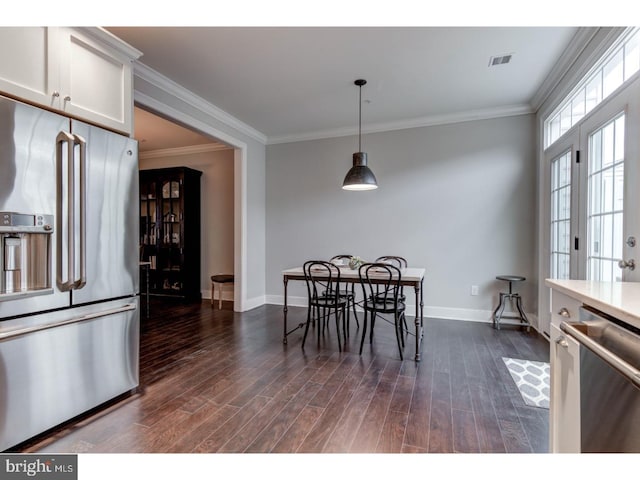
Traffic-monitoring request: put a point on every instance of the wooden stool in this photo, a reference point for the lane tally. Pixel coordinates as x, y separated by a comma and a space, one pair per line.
497, 313
219, 280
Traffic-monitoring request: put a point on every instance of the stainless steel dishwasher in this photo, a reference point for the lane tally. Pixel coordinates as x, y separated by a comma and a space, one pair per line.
609, 382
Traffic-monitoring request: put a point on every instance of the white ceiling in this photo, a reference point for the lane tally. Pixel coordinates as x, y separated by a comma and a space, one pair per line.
156, 133
293, 83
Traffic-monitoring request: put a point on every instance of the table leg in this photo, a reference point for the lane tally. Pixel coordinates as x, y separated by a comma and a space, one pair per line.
418, 320
284, 337
421, 307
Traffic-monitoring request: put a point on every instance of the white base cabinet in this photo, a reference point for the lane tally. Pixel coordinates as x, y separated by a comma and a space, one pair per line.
85, 73
564, 404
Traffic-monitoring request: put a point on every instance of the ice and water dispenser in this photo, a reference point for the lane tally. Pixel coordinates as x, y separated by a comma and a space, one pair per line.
25, 254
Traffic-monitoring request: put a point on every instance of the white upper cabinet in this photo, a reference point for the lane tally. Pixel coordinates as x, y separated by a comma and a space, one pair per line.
25, 69
86, 73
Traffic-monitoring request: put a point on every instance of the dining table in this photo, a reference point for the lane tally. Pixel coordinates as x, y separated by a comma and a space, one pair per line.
410, 277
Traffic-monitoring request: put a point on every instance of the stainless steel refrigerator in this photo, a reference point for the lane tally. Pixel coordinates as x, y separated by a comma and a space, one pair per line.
69, 310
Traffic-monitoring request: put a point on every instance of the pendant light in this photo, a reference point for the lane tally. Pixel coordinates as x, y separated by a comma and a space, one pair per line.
360, 177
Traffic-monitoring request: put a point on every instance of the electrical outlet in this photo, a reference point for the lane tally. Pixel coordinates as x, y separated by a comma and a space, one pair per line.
474, 289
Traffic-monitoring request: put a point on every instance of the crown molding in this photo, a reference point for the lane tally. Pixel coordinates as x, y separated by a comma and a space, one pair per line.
575, 48
102, 35
190, 150
471, 115
151, 76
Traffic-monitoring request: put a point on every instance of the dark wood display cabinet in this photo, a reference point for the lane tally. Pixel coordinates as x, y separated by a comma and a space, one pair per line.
170, 231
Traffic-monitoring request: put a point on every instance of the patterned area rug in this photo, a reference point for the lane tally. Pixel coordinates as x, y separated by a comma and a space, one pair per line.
532, 379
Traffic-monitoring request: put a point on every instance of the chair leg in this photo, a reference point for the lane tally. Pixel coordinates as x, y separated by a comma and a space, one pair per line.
345, 322
364, 331
337, 310
306, 329
398, 325
401, 330
353, 304
213, 291
373, 324
346, 318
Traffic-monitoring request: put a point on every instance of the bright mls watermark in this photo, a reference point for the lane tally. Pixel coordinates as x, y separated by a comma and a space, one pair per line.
53, 467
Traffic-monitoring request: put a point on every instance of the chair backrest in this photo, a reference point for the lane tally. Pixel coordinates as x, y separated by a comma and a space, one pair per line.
322, 278
380, 282
340, 257
399, 262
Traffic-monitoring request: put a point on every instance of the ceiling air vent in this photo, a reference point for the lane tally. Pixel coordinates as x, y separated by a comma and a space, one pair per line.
500, 60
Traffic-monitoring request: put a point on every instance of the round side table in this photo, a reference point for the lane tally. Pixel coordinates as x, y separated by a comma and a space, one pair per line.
498, 312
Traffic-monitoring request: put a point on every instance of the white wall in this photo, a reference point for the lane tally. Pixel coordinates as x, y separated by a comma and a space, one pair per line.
459, 200
216, 202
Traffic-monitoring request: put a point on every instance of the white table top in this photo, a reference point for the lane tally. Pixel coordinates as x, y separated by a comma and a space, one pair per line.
618, 299
408, 274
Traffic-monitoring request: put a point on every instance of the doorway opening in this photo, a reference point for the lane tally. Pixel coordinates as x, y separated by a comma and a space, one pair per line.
166, 143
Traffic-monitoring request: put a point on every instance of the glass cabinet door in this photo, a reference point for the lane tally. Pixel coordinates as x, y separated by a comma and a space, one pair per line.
170, 230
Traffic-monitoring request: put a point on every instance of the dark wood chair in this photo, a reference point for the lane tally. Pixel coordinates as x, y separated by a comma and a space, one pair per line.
381, 299
399, 262
323, 287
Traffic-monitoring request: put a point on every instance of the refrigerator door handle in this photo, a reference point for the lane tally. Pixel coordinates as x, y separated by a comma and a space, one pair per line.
82, 257
65, 283
82, 318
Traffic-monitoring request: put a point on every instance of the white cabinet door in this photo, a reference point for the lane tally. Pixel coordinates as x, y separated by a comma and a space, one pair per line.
95, 81
70, 70
563, 308
26, 71
564, 405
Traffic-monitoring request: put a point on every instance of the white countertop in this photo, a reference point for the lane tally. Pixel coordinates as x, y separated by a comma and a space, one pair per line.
619, 299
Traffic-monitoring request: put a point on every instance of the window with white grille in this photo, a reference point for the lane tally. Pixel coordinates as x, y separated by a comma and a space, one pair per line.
615, 68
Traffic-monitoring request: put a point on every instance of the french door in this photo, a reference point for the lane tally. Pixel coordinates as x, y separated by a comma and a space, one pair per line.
594, 172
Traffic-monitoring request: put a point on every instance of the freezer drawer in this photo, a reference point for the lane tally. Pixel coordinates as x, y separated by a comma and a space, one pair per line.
64, 365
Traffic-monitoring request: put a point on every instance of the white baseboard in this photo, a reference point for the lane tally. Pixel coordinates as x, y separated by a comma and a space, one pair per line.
251, 303
445, 313
228, 296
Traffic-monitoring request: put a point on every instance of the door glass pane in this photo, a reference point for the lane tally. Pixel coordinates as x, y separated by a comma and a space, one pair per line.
605, 203
607, 145
595, 151
560, 228
617, 235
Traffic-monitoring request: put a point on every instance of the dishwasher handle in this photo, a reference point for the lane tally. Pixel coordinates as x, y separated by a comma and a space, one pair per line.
623, 367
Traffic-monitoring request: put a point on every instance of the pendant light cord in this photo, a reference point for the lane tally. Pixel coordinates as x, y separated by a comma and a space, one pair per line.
360, 120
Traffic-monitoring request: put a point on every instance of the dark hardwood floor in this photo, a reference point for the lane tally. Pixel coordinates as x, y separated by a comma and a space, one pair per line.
218, 381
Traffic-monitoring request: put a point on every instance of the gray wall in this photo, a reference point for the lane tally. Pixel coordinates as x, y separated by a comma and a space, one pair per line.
459, 200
